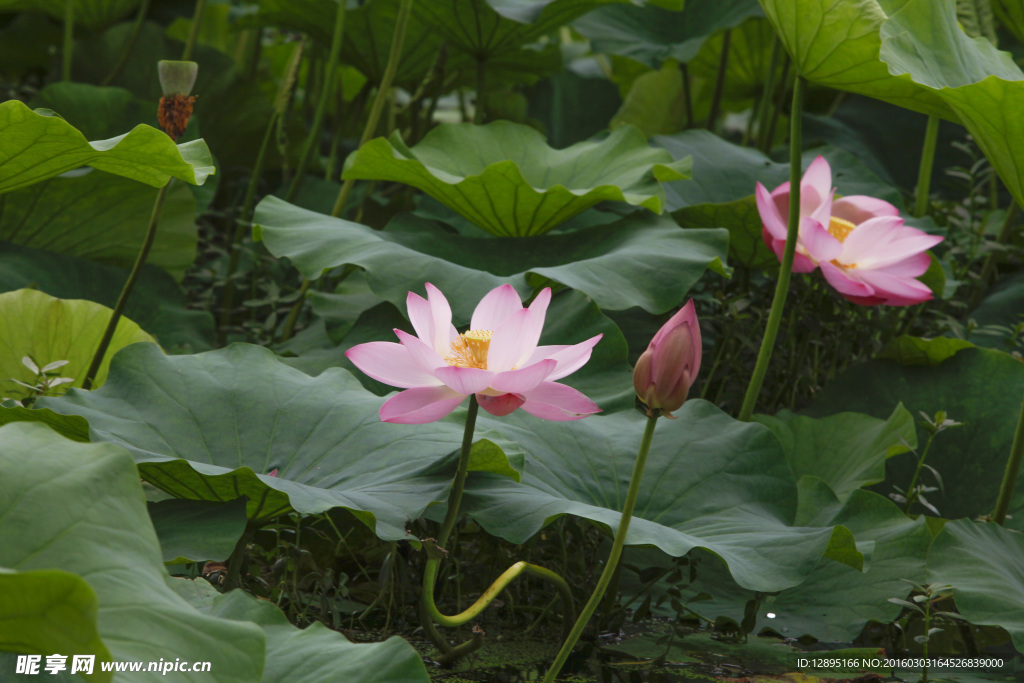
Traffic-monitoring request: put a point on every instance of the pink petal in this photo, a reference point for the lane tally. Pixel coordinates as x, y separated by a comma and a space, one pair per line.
770, 217
816, 186
507, 343
569, 358
801, 264
420, 405
819, 242
500, 406
442, 331
392, 364
898, 291
523, 380
498, 304
869, 238
424, 356
843, 283
553, 401
912, 266
858, 208
464, 380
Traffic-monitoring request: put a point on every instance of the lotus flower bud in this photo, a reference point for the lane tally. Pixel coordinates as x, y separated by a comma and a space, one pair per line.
666, 370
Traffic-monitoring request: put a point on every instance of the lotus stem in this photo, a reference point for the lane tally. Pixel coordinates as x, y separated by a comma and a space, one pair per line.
766, 143
481, 84
129, 45
687, 95
193, 32
764, 113
786, 268
326, 95
126, 291
924, 172
1012, 468
69, 39
723, 65
612, 564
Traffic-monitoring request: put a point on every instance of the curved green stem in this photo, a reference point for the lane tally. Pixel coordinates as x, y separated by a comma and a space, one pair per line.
129, 45
69, 38
723, 65
613, 558
193, 32
1012, 468
293, 314
326, 95
401, 22
786, 269
924, 172
126, 291
764, 113
911, 497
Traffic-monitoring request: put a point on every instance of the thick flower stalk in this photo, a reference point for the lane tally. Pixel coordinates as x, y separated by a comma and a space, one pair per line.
662, 378
860, 243
497, 360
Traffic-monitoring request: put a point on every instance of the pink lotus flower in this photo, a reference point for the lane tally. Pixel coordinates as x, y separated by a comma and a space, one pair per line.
860, 243
497, 359
666, 370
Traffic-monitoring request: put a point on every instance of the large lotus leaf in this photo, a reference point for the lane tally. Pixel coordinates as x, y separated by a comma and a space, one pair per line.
846, 451
835, 601
313, 654
197, 530
97, 112
981, 388
837, 44
212, 426
988, 588
47, 329
487, 29
505, 178
1003, 305
983, 86
1011, 15
157, 303
79, 508
103, 218
710, 482
746, 70
69, 426
37, 147
92, 14
641, 260
652, 35
49, 610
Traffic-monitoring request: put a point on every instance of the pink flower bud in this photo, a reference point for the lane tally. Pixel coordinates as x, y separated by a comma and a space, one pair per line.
666, 370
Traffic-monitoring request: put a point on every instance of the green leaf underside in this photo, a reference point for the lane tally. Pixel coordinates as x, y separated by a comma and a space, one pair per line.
710, 482
47, 329
197, 530
310, 655
641, 260
988, 589
847, 451
504, 178
37, 147
212, 426
924, 45
103, 218
87, 516
979, 387
93, 14
919, 351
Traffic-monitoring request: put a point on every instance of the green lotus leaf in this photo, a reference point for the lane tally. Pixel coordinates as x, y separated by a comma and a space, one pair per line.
846, 451
157, 303
654, 104
1011, 15
989, 588
641, 260
924, 45
69, 426
46, 329
835, 602
98, 112
979, 387
103, 218
37, 147
86, 515
92, 14
746, 70
837, 44
212, 426
917, 351
313, 654
50, 610
504, 178
487, 29
652, 35
710, 482
197, 530
1002, 306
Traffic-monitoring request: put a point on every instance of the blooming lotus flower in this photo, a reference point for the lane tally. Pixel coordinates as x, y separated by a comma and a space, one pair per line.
497, 359
860, 243
666, 370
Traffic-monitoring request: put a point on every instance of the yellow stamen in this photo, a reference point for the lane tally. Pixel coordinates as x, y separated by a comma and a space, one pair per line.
840, 228
470, 350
